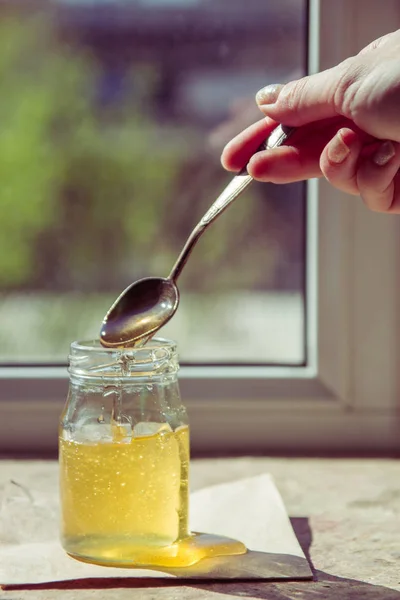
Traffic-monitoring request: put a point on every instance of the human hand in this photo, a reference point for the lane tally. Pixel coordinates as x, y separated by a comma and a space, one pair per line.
349, 128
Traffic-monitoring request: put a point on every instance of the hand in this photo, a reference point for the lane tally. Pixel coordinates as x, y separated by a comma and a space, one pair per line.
349, 128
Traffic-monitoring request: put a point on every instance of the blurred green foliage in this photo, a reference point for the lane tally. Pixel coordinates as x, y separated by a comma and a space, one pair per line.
74, 192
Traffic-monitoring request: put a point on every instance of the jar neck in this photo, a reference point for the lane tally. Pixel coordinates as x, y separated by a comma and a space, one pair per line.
157, 360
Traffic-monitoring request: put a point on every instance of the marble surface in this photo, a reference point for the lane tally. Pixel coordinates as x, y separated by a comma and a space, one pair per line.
345, 512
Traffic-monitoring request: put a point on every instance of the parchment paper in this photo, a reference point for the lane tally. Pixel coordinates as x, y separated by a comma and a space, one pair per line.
250, 510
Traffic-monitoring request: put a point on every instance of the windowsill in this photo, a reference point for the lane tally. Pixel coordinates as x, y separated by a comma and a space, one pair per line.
342, 511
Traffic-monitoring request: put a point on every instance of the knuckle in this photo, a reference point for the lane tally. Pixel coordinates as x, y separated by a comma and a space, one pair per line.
377, 196
293, 93
375, 44
345, 96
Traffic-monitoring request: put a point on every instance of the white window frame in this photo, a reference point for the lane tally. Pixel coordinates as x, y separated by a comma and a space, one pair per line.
346, 399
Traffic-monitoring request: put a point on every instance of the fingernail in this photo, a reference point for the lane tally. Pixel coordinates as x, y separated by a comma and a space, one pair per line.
269, 94
384, 154
338, 151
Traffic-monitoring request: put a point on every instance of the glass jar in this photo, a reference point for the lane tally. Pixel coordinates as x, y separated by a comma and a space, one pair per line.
124, 455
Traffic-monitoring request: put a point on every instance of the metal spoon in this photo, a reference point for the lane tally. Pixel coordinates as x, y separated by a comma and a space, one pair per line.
148, 304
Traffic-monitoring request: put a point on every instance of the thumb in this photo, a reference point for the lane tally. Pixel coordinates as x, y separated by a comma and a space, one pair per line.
311, 98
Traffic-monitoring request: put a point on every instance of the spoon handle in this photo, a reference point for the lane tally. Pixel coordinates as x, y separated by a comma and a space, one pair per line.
238, 184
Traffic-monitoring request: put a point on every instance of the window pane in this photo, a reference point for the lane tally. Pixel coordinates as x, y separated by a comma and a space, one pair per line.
113, 120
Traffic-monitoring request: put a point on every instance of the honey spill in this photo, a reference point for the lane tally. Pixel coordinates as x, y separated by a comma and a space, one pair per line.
125, 502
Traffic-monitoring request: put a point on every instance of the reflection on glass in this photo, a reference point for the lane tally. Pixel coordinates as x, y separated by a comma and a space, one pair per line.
112, 126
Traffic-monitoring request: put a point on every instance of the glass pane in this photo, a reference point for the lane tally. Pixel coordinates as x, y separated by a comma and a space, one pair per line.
113, 120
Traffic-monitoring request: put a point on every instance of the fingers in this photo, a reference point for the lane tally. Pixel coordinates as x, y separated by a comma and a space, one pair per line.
285, 164
366, 169
378, 179
350, 159
339, 160
297, 160
308, 99
238, 151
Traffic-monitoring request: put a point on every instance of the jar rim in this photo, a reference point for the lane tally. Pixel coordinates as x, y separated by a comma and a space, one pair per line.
88, 358
95, 345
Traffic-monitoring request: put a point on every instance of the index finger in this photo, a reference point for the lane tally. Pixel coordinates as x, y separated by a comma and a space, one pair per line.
241, 148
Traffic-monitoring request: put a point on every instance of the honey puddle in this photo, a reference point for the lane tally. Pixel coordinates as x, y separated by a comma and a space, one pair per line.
125, 502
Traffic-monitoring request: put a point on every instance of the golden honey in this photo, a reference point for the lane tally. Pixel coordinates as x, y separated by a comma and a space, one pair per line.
119, 497
127, 503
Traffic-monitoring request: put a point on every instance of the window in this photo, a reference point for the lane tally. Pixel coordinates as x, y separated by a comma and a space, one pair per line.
132, 103
330, 382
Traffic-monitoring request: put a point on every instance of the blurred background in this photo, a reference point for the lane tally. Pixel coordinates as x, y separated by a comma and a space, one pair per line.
113, 118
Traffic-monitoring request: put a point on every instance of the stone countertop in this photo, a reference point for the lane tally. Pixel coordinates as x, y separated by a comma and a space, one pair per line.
345, 512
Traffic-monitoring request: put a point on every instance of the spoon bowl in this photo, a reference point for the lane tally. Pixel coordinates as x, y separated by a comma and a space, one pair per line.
139, 312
